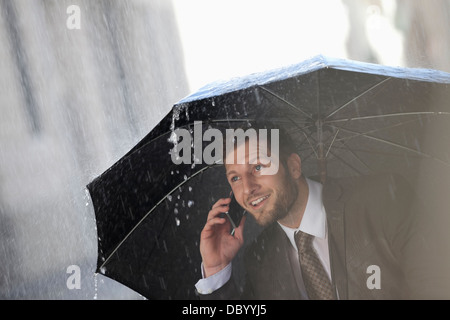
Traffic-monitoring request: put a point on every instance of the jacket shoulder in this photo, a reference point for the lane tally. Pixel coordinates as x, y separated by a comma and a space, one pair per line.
379, 186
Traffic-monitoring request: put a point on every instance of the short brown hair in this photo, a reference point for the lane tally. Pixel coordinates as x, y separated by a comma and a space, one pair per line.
286, 144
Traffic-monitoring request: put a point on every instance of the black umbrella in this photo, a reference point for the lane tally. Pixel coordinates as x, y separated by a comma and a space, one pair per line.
347, 118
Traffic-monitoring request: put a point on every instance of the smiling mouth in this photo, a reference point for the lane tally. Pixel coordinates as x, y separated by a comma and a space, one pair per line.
257, 202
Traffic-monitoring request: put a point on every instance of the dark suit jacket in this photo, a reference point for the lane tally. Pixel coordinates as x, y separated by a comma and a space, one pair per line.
371, 221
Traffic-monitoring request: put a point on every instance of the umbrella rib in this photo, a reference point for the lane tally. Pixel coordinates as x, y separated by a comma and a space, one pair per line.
356, 98
346, 163
334, 138
314, 150
311, 146
151, 210
307, 156
334, 154
395, 145
347, 148
372, 131
390, 115
285, 101
228, 120
303, 141
302, 129
383, 153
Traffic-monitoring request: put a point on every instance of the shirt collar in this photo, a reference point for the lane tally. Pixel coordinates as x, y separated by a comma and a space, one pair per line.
314, 218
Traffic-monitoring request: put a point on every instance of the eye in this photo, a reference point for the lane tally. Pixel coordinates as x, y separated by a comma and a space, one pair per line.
234, 179
258, 167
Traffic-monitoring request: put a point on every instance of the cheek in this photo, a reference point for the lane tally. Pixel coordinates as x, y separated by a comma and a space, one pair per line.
238, 194
273, 182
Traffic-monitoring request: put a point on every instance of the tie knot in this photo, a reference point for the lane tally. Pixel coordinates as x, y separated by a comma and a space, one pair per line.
303, 241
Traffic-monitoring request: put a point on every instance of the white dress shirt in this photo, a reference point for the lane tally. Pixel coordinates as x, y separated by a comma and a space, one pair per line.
313, 222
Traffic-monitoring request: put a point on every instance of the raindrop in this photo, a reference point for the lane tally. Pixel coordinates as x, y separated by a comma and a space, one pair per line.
416, 142
421, 121
87, 196
177, 221
190, 189
190, 202
175, 211
391, 191
175, 117
187, 113
186, 250
169, 197
173, 138
95, 286
162, 283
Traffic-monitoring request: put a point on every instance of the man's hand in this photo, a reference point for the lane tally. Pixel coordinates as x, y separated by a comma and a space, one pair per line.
217, 246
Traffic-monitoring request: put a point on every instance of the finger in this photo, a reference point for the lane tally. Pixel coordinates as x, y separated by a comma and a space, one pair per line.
217, 211
239, 231
221, 202
213, 223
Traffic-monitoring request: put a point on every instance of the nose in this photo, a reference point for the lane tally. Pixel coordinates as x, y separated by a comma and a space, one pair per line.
250, 185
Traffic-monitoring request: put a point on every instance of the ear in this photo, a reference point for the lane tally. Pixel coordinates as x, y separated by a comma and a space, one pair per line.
294, 165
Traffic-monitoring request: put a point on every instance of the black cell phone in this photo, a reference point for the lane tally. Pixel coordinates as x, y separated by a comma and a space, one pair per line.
235, 213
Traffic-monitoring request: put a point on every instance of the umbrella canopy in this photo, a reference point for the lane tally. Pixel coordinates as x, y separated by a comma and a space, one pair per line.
347, 118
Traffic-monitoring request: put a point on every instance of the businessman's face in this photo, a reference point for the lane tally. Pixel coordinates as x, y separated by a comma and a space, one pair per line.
267, 197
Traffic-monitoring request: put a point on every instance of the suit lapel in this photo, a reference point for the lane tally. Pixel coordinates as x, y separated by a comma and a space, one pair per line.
332, 193
283, 279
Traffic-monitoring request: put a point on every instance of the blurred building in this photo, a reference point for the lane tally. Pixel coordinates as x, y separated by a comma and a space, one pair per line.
73, 101
409, 33
426, 29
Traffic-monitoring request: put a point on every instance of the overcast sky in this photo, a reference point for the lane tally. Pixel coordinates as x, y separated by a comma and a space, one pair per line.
223, 39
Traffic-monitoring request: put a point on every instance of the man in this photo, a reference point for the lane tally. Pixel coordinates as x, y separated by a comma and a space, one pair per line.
365, 235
